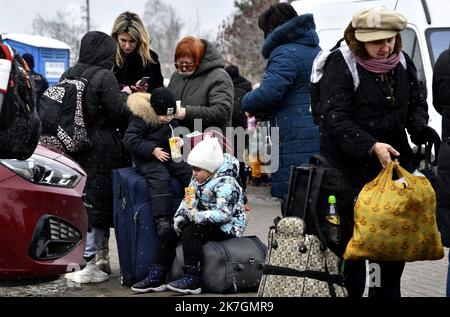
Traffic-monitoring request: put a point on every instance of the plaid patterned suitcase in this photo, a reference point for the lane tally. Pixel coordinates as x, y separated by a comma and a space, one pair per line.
298, 265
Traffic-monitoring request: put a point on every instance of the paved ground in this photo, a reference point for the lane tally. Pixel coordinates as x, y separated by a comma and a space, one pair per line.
420, 279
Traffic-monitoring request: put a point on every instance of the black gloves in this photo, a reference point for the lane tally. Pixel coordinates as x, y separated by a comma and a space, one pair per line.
163, 224
427, 134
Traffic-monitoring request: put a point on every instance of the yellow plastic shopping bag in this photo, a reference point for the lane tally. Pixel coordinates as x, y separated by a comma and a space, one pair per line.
395, 220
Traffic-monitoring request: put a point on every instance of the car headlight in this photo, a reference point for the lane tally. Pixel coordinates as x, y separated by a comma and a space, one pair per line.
44, 171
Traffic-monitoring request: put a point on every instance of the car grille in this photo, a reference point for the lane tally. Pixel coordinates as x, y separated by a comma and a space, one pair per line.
53, 238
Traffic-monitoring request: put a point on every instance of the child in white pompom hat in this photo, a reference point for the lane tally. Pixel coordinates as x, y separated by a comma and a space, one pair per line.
214, 212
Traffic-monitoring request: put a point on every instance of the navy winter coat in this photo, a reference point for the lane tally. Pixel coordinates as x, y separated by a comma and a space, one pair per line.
284, 92
441, 101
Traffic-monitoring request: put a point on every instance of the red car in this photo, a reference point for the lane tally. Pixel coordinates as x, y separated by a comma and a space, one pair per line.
43, 221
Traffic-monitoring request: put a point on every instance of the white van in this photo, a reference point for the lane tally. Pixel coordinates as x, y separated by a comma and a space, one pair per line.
426, 36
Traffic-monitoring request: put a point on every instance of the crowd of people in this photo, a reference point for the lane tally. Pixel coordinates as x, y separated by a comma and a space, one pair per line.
131, 117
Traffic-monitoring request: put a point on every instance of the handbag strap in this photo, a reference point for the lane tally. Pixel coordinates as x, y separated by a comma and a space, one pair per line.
287, 271
225, 142
289, 195
318, 159
308, 192
314, 193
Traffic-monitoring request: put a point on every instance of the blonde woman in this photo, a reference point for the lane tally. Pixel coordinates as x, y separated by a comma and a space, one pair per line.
133, 61
136, 65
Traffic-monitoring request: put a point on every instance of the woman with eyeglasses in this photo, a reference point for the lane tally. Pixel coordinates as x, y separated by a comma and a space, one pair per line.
136, 65
202, 85
362, 130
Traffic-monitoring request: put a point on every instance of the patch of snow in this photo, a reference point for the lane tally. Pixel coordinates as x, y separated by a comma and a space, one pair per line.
36, 40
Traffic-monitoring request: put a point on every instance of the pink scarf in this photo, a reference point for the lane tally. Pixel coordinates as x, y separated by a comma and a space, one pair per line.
377, 66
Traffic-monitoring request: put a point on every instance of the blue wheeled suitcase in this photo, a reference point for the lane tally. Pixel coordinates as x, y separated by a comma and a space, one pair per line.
135, 230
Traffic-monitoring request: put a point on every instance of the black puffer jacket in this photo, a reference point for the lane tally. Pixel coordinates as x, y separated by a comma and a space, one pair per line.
354, 121
441, 101
441, 90
241, 87
106, 113
145, 133
133, 70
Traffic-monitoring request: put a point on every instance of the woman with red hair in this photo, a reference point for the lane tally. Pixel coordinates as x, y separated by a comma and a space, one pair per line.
202, 85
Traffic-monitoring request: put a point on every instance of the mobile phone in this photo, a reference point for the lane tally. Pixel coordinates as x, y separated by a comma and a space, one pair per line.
144, 80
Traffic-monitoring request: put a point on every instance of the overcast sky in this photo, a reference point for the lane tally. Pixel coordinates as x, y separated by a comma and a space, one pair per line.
17, 16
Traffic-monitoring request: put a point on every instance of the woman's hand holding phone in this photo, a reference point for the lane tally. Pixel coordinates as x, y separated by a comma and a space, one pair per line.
141, 85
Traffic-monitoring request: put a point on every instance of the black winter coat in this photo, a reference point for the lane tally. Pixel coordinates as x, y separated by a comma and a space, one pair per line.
441, 90
133, 70
145, 133
241, 87
41, 85
354, 121
106, 114
441, 101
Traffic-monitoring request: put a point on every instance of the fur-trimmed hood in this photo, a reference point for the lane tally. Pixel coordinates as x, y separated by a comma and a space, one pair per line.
300, 29
139, 104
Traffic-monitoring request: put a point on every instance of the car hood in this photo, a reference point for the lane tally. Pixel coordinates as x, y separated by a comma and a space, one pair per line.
58, 155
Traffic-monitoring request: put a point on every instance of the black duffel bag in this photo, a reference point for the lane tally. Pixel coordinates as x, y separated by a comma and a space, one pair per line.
229, 266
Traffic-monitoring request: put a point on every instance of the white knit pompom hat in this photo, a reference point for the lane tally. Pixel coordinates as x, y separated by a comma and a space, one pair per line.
207, 154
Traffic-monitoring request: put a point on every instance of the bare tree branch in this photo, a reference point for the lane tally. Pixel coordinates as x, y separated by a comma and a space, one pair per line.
239, 38
164, 26
61, 28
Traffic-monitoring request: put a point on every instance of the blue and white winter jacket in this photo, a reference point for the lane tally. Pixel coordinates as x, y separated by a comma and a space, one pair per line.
219, 200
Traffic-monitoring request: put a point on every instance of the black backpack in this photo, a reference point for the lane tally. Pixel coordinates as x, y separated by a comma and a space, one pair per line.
62, 111
309, 187
20, 126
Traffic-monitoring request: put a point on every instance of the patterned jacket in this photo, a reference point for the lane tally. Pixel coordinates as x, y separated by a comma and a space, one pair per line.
218, 201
